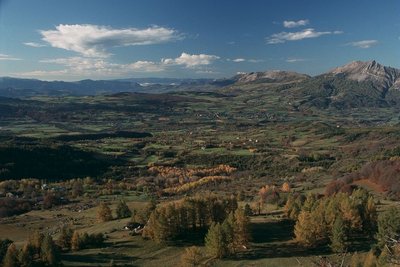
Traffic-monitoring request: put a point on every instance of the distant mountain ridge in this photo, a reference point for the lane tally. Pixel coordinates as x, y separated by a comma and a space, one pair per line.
271, 76
16, 87
356, 84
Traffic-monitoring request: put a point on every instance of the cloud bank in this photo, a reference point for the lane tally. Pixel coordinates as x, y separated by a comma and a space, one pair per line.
99, 67
94, 40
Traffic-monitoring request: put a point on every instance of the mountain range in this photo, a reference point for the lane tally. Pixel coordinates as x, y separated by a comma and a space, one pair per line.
357, 84
354, 85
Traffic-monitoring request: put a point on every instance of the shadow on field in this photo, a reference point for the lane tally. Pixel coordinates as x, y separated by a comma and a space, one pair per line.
280, 250
122, 244
272, 231
98, 258
275, 240
190, 238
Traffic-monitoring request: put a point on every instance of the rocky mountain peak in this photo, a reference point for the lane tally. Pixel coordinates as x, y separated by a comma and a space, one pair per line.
382, 77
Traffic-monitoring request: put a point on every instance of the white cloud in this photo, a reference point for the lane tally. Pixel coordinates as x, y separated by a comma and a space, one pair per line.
4, 57
191, 61
255, 60
364, 44
93, 40
238, 60
294, 60
294, 24
282, 37
32, 44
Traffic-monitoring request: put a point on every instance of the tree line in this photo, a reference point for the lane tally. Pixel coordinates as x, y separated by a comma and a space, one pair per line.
168, 221
39, 250
332, 220
338, 220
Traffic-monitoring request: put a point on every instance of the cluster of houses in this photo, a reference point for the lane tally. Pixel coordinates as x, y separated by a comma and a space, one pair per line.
134, 227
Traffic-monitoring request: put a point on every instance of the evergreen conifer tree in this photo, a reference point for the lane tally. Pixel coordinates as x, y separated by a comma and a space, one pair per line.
338, 236
48, 252
215, 241
26, 256
123, 210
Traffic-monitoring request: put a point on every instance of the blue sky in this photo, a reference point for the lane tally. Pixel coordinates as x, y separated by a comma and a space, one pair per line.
106, 39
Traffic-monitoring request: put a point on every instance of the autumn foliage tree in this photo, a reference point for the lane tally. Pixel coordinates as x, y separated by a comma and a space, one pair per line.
4, 244
307, 230
191, 257
84, 240
104, 213
75, 241
39, 250
35, 240
241, 228
293, 206
11, 257
285, 187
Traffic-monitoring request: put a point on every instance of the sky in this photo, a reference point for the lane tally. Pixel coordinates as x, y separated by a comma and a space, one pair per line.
109, 39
